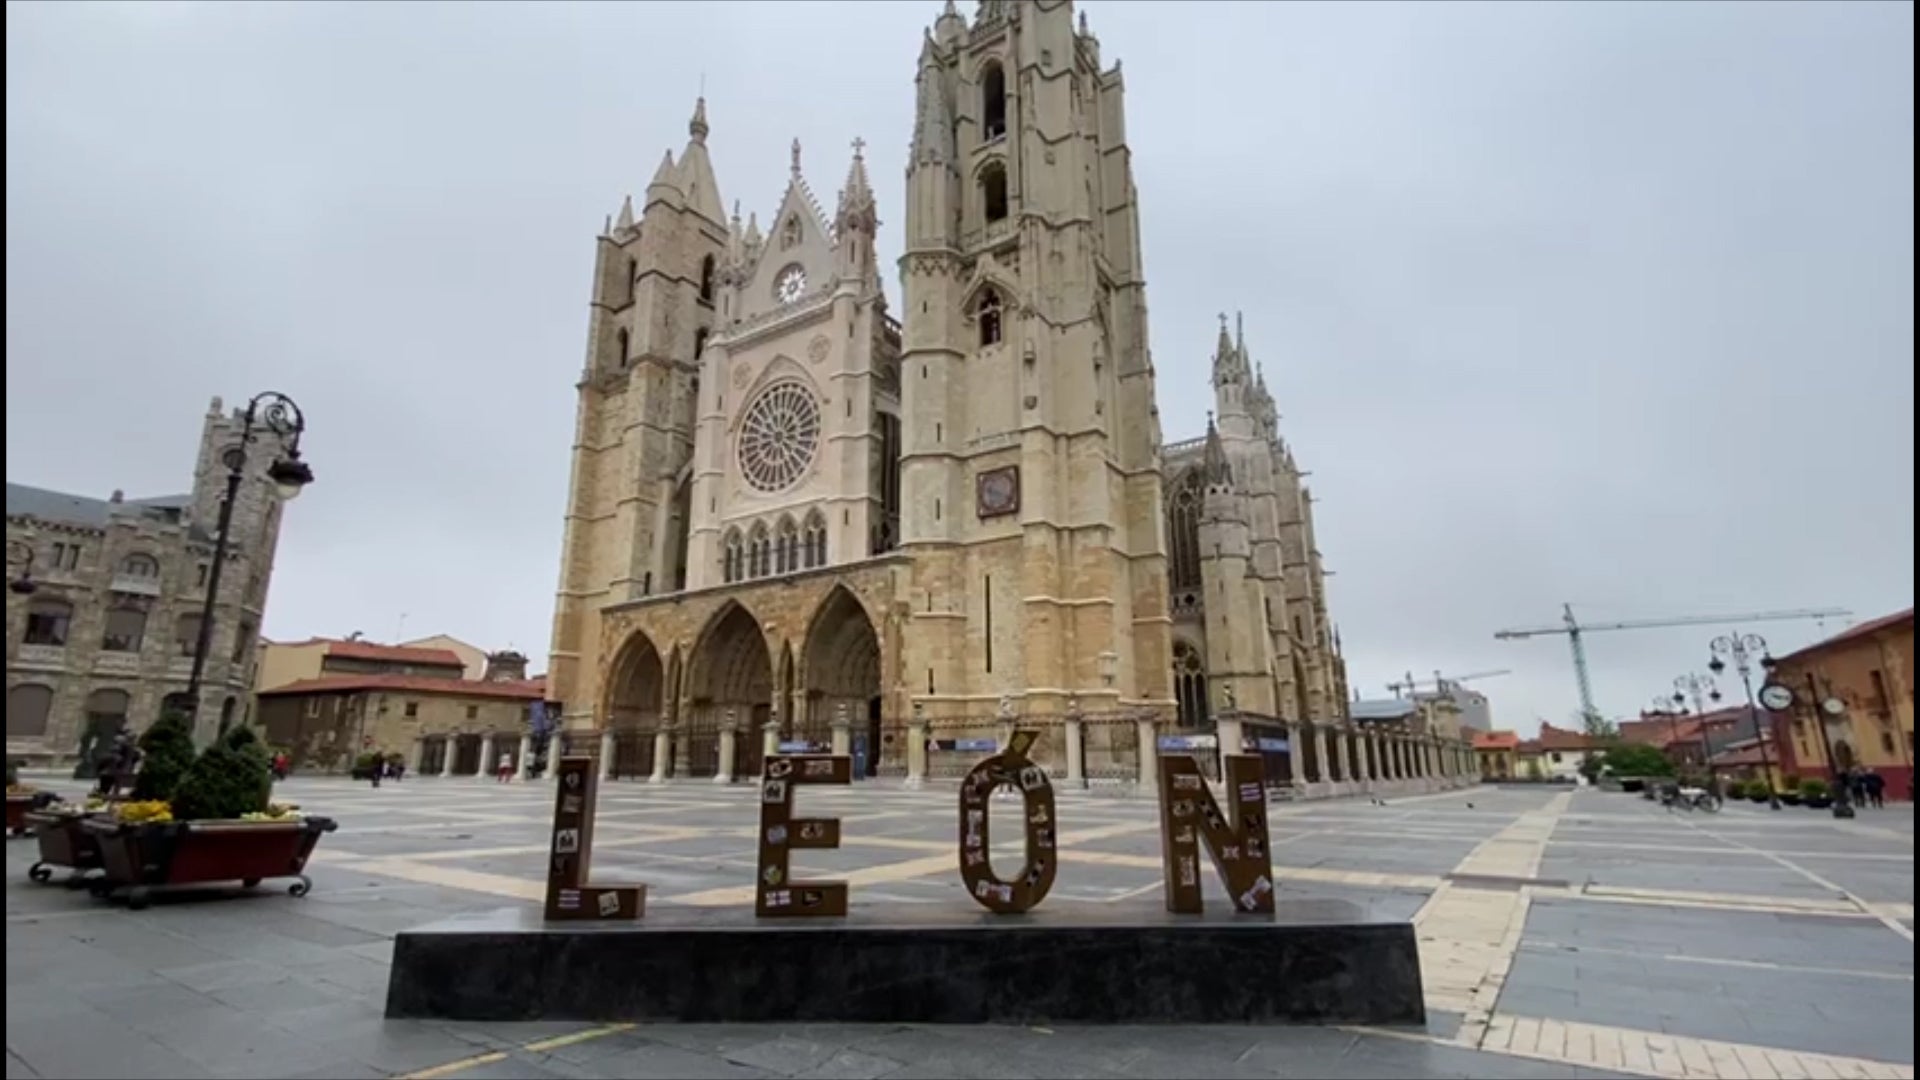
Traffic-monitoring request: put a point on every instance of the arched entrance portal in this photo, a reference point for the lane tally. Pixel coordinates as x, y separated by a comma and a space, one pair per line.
842, 661
636, 704
730, 683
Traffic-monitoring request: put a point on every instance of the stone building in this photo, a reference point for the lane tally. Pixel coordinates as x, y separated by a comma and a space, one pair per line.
796, 518
1868, 671
442, 726
107, 635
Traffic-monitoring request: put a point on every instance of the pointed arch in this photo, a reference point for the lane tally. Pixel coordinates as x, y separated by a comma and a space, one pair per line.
993, 191
636, 686
759, 551
1185, 500
729, 684
1190, 684
707, 268
993, 101
815, 539
733, 557
841, 660
786, 545
625, 345
987, 313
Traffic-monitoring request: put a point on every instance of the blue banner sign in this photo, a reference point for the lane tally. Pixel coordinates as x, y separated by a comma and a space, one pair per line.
967, 746
1187, 742
802, 746
1274, 746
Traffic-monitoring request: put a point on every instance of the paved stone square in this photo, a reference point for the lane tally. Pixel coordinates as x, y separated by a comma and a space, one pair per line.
1562, 934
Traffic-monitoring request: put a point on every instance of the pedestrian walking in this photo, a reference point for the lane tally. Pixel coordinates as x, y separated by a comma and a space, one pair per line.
1876, 786
505, 770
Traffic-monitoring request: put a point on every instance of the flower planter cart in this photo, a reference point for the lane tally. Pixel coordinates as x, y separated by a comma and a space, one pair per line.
139, 858
62, 843
19, 805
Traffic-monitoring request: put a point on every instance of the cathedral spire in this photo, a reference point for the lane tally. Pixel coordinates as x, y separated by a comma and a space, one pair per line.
932, 131
1216, 467
625, 220
696, 170
665, 185
697, 127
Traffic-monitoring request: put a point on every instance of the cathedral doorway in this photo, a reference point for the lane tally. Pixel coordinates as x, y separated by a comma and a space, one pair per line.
636, 701
730, 683
842, 666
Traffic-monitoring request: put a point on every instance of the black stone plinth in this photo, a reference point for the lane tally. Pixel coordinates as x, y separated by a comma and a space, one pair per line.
1314, 962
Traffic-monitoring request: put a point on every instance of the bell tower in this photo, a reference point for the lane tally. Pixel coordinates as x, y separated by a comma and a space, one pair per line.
1032, 496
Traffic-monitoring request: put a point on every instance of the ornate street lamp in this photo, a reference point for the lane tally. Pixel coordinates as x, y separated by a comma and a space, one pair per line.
269, 413
1743, 648
21, 553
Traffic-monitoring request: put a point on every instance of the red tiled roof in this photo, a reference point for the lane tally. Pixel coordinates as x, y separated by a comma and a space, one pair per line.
1864, 630
1661, 732
1495, 740
1747, 754
395, 654
1528, 746
1553, 738
520, 690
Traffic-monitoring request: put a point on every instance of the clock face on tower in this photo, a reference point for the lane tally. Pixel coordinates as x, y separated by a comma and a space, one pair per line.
997, 491
790, 284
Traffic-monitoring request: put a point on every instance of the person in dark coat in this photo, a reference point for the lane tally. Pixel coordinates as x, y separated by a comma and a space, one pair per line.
1876, 786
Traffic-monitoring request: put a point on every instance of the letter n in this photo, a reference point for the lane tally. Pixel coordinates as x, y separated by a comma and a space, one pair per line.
1239, 845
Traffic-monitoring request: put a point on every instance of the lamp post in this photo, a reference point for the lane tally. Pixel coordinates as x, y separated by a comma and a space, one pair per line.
20, 552
1699, 689
1825, 707
271, 413
1742, 648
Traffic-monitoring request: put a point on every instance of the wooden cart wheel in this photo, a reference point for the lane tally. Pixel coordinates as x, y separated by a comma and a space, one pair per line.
40, 872
300, 887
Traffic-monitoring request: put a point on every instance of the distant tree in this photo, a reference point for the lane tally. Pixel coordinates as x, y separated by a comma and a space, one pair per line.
1534, 770
1634, 759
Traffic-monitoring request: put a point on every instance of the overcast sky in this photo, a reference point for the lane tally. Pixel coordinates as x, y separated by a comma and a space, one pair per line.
1607, 303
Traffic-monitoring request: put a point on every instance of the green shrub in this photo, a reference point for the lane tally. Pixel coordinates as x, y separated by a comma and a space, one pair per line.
229, 779
1736, 789
365, 762
1813, 787
166, 753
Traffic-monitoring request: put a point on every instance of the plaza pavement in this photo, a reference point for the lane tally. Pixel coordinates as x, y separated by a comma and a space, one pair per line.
1562, 934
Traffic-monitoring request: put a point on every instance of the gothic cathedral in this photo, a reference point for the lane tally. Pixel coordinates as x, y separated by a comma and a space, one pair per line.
796, 518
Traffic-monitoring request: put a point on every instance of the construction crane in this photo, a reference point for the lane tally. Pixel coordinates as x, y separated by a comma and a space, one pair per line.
1440, 682
1574, 629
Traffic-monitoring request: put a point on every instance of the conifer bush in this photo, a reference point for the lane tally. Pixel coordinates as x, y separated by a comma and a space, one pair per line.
230, 779
166, 753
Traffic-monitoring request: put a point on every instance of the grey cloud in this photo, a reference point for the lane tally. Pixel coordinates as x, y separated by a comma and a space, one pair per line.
1608, 303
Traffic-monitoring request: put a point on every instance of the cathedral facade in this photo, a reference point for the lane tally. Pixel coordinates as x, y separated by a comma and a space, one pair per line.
799, 517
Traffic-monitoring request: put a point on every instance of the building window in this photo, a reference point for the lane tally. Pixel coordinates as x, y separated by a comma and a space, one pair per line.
1555, 756
125, 627
200, 576
988, 312
313, 707
699, 343
28, 707
140, 566
1882, 702
186, 634
706, 279
733, 559
993, 191
1190, 686
66, 556
243, 642
816, 540
47, 623
473, 712
625, 341
786, 547
413, 708
993, 102
633, 278
1183, 533
1886, 741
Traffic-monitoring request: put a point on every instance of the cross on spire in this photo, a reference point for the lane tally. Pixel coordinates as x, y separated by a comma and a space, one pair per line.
859, 144
796, 157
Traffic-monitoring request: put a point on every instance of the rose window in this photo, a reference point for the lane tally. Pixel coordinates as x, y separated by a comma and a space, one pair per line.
779, 437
